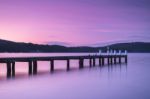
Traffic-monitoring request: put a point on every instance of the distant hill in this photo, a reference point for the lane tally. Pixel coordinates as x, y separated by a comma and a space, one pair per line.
137, 47
10, 46
58, 43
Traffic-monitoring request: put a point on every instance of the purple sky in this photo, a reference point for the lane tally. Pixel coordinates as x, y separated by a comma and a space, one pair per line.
75, 21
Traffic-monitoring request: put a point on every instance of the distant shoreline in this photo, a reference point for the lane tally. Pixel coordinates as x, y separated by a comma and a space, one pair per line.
67, 52
18, 47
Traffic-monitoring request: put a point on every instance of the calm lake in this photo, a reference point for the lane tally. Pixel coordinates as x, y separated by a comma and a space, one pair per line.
131, 81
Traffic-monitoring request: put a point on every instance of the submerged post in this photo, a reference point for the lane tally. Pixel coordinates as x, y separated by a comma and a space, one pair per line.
35, 67
30, 68
126, 59
119, 59
90, 62
13, 69
52, 65
100, 61
103, 61
108, 60
94, 62
115, 60
8, 69
111, 60
81, 61
68, 65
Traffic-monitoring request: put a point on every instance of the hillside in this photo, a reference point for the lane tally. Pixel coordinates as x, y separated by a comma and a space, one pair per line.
9, 46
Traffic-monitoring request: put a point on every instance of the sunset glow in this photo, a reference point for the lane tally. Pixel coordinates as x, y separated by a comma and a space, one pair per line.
74, 21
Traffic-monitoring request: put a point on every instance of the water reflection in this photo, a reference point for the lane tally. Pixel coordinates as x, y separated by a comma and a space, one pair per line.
129, 81
24, 74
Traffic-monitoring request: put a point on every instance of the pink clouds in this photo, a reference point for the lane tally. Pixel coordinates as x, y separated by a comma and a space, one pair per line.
76, 21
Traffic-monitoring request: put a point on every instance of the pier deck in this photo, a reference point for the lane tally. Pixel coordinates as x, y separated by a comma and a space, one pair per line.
32, 61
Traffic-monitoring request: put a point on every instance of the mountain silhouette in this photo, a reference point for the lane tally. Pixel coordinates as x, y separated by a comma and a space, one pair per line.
10, 46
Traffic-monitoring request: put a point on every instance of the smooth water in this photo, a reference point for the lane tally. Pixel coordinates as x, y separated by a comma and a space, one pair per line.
131, 81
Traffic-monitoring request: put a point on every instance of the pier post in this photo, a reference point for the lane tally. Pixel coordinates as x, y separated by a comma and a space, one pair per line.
100, 61
30, 68
68, 65
8, 69
13, 69
35, 67
81, 61
103, 61
115, 61
108, 60
90, 62
52, 66
126, 59
119, 60
94, 62
111, 60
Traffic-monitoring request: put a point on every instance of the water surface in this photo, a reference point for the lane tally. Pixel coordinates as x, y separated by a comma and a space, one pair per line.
129, 81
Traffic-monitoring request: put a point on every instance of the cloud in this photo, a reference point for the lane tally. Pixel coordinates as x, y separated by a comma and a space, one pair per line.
59, 43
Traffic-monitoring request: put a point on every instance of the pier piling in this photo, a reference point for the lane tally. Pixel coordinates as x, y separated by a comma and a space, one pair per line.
111, 60
8, 69
103, 61
81, 61
68, 65
115, 61
33, 66
90, 62
126, 59
108, 60
94, 63
30, 68
119, 60
52, 66
13, 69
100, 61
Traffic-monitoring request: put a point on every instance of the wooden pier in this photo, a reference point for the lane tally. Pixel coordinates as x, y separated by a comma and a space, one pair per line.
32, 62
